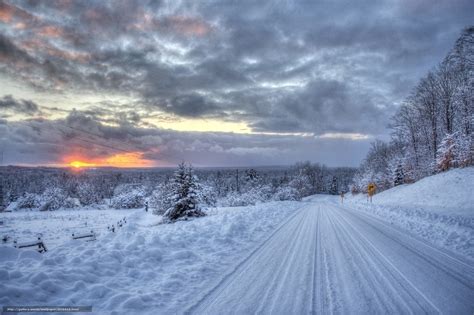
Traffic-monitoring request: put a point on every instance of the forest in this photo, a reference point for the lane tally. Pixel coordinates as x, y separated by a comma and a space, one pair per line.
432, 131
54, 188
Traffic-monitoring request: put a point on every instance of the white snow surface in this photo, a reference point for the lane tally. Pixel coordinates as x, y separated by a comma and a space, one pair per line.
317, 256
330, 259
54, 227
438, 208
142, 268
449, 192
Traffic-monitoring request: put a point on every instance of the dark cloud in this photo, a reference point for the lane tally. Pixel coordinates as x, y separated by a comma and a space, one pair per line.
27, 107
191, 105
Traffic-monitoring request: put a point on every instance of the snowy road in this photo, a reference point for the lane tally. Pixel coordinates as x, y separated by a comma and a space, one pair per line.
330, 259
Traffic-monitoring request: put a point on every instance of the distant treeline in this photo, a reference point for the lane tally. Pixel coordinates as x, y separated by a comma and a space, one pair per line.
52, 188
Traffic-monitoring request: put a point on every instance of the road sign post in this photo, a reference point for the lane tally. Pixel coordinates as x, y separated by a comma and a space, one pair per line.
371, 189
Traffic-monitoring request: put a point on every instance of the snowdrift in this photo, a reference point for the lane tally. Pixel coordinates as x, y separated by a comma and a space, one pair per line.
450, 192
439, 208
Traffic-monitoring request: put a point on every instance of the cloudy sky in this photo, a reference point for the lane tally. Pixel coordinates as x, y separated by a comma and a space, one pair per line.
215, 83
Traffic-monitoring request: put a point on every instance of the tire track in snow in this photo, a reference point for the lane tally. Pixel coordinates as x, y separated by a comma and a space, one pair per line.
225, 281
317, 305
445, 281
325, 259
281, 273
451, 265
361, 287
398, 292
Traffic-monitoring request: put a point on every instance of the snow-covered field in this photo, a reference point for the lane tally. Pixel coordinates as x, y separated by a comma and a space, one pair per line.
55, 227
142, 268
439, 208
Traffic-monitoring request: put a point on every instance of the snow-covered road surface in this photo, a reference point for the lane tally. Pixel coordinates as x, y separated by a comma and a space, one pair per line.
327, 258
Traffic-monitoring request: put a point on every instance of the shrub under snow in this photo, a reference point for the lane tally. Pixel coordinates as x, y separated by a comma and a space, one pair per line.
160, 200
28, 201
286, 193
128, 197
53, 199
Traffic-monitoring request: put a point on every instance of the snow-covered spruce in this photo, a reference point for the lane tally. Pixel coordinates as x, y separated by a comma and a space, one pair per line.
182, 195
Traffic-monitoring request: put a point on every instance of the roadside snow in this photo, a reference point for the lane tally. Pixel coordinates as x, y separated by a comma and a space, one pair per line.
144, 267
445, 193
439, 208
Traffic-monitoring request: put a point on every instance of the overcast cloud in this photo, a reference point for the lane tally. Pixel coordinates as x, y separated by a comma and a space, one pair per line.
313, 80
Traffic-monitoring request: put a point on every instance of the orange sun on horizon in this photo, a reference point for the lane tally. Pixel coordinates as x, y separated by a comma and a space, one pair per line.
123, 160
80, 164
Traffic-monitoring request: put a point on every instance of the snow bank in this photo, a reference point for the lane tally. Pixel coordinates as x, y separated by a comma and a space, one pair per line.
439, 208
144, 267
445, 193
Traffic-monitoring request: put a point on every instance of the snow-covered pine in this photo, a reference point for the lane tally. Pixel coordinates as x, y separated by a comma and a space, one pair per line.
334, 186
184, 195
398, 174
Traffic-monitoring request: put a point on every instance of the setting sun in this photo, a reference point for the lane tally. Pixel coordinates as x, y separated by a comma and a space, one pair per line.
131, 159
80, 164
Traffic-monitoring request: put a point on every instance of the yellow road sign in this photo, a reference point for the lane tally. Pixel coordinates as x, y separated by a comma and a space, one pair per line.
371, 188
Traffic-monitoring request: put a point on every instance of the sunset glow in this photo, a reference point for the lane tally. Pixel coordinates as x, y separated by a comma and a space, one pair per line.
80, 164
124, 160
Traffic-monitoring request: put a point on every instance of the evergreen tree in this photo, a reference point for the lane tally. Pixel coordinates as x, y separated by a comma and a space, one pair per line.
398, 175
334, 187
184, 196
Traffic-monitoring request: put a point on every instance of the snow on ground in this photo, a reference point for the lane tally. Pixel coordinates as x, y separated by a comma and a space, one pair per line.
54, 227
143, 267
445, 193
439, 208
329, 259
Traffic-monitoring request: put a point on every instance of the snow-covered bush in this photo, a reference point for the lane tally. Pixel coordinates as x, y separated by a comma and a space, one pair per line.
53, 199
161, 199
234, 199
286, 193
28, 201
128, 197
88, 194
207, 195
301, 184
247, 198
